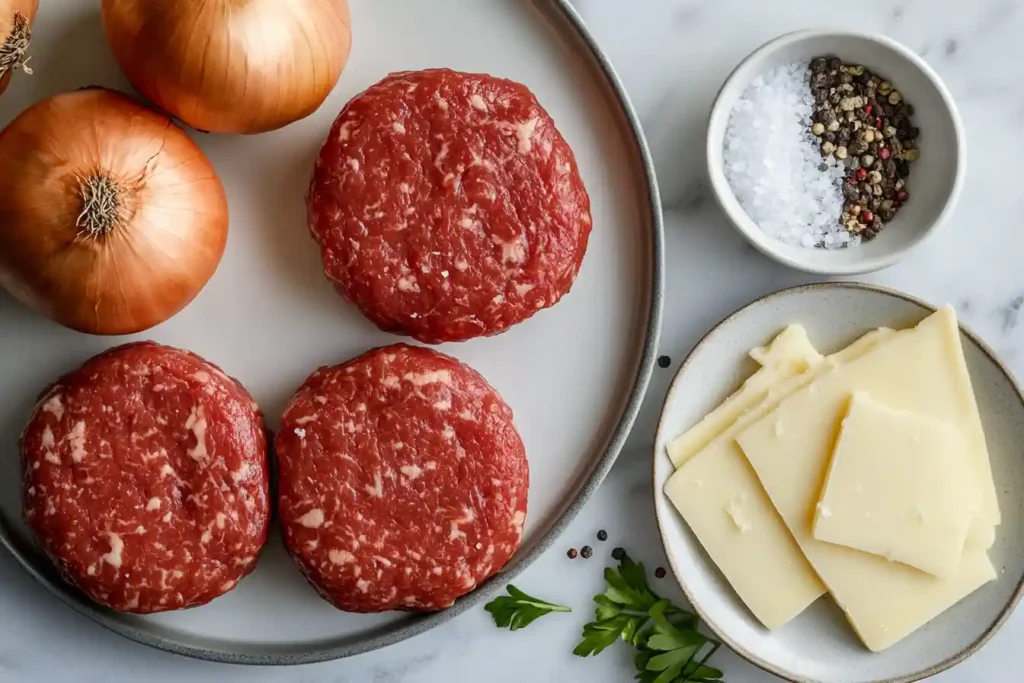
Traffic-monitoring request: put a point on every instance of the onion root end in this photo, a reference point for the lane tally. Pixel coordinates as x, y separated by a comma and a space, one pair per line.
14, 48
103, 206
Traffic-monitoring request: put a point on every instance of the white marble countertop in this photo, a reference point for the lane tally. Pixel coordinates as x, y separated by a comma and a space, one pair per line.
672, 56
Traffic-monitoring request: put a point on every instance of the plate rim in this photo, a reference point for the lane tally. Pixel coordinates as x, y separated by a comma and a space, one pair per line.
321, 651
674, 386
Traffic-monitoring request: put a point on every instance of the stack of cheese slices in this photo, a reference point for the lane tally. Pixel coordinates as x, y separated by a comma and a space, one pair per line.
863, 474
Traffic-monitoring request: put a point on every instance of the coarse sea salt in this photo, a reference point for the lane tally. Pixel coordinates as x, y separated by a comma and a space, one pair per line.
773, 163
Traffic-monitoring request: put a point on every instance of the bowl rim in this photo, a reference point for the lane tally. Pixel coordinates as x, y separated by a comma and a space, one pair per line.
726, 198
657, 499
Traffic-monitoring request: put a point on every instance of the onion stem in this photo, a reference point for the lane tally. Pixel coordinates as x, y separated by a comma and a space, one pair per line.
102, 205
12, 51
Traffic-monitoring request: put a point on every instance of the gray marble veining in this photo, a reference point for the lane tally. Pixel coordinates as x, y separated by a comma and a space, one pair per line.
672, 56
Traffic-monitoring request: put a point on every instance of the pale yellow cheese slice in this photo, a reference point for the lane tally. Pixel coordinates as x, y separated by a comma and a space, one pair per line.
896, 488
729, 512
790, 353
922, 370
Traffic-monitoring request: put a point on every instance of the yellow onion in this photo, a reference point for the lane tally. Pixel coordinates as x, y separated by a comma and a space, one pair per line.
111, 218
231, 66
16, 17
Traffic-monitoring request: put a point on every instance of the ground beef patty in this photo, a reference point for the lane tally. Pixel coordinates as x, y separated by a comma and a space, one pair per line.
145, 479
402, 482
447, 206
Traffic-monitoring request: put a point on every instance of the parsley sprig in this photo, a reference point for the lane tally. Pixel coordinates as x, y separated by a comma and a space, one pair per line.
517, 609
669, 647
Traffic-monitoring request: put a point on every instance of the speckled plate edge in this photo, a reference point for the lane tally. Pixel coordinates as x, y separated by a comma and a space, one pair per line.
36, 565
675, 386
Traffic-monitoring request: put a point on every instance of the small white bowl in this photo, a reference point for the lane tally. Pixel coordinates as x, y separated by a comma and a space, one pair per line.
936, 178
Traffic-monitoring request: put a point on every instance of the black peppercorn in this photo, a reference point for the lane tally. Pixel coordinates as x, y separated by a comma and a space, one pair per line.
586, 552
602, 535
664, 361
660, 572
618, 554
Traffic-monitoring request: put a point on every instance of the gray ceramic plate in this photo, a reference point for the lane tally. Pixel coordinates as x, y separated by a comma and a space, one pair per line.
819, 646
574, 375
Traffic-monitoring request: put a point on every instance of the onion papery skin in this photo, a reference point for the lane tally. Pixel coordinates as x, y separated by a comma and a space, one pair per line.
153, 251
16, 18
231, 66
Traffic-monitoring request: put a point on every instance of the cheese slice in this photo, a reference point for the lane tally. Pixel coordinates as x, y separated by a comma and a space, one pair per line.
921, 369
790, 353
719, 496
896, 488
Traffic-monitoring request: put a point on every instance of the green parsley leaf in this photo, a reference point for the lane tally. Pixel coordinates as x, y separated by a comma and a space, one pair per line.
518, 610
670, 648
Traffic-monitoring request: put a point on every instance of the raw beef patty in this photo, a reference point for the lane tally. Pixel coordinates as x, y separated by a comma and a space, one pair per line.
447, 205
145, 479
403, 482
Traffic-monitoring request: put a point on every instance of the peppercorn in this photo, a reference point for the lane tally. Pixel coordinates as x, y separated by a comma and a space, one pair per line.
664, 361
862, 121
586, 552
659, 573
618, 554
602, 535
572, 553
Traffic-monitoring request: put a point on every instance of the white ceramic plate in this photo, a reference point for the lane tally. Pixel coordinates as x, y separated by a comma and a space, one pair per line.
574, 374
819, 646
